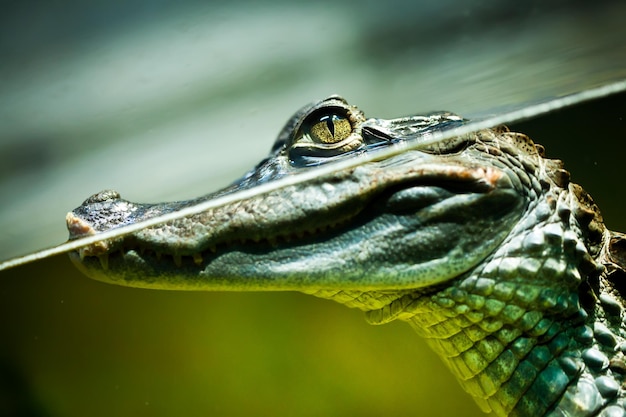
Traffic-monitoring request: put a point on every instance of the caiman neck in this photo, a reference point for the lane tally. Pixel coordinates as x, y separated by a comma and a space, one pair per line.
478, 241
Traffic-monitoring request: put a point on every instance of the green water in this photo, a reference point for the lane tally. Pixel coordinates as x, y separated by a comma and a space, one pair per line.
108, 95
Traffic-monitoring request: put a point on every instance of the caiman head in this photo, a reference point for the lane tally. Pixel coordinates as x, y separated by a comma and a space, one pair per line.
477, 240
418, 218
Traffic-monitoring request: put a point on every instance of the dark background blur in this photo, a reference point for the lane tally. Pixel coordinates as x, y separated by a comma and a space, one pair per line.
167, 100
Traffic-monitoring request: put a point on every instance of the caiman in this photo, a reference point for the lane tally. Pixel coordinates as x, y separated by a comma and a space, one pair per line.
478, 241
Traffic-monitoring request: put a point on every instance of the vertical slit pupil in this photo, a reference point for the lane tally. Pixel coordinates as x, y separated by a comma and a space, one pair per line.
330, 123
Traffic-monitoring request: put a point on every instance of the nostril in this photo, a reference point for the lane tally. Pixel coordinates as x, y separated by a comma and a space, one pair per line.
77, 226
102, 196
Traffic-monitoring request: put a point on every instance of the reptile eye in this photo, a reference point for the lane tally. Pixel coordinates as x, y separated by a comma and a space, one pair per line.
324, 135
323, 132
330, 129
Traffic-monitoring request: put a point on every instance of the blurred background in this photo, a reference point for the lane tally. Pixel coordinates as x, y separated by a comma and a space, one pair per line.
165, 100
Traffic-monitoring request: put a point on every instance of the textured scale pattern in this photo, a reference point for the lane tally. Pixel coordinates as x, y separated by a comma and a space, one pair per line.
483, 245
514, 330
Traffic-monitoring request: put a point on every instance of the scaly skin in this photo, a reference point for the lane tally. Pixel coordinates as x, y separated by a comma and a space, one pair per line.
480, 243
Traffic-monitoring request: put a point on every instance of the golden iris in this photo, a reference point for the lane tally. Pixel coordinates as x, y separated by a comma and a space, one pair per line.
330, 129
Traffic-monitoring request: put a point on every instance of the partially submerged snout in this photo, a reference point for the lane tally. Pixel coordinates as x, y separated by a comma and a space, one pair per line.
411, 220
375, 227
